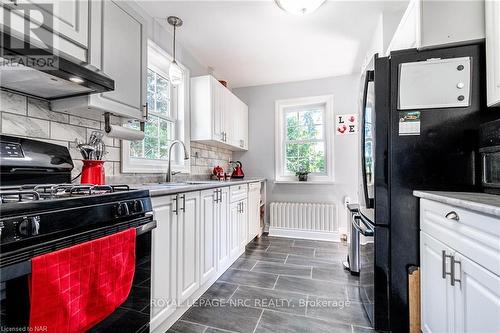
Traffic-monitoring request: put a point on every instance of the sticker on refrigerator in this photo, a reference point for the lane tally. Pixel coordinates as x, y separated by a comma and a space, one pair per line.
346, 124
409, 123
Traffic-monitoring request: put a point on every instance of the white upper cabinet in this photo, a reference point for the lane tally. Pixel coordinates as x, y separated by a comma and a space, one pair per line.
118, 47
63, 25
217, 115
427, 23
492, 19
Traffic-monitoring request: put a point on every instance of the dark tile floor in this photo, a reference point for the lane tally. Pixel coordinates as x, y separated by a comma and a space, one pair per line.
281, 285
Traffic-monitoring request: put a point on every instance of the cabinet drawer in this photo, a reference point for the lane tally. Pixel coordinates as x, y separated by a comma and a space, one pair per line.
473, 234
238, 192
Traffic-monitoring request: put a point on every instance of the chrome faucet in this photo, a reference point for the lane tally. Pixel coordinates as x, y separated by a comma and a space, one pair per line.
168, 179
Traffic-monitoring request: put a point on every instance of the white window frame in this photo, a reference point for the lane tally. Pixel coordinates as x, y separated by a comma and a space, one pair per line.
159, 61
281, 106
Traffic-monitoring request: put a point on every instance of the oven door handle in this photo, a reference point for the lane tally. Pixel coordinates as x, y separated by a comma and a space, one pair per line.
145, 228
367, 231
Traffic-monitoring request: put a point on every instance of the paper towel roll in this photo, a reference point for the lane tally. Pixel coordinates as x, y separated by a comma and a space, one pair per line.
124, 133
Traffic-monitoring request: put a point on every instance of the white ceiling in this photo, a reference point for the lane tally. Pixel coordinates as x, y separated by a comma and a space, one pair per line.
252, 43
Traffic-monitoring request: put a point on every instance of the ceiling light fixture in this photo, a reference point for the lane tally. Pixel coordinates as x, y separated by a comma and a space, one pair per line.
174, 71
299, 7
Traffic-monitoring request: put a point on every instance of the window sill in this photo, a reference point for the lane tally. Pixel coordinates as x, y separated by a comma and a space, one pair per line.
309, 182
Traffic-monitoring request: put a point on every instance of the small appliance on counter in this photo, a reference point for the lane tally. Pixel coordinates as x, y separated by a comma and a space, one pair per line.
238, 170
489, 148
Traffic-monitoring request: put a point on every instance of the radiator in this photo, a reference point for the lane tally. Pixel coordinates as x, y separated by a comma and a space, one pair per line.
303, 216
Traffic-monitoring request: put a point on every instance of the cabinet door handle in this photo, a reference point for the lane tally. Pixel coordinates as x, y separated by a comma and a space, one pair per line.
452, 216
452, 273
443, 258
220, 195
216, 196
183, 203
176, 210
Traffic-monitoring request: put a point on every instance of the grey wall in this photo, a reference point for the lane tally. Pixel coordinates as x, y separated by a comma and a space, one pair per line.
259, 159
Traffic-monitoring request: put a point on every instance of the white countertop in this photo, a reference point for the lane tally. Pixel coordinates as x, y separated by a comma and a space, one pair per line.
479, 202
165, 189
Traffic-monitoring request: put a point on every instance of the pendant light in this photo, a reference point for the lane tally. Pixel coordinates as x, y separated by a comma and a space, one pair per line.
299, 7
174, 71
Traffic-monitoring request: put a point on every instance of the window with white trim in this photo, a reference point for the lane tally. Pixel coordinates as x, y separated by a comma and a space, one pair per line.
304, 138
167, 110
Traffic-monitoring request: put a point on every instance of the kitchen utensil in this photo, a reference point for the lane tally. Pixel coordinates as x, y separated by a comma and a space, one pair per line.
86, 150
238, 170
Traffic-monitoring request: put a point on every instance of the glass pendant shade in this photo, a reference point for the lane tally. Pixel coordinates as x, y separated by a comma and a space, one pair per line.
175, 73
299, 7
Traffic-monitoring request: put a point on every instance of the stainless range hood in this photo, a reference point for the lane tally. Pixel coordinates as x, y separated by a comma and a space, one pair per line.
34, 72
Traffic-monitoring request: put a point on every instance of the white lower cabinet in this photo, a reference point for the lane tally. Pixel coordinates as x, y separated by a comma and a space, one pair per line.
253, 210
208, 235
223, 230
164, 255
234, 232
188, 244
243, 225
458, 294
198, 236
437, 297
477, 297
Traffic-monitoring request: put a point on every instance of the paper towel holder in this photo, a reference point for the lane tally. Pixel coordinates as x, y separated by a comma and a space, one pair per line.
107, 124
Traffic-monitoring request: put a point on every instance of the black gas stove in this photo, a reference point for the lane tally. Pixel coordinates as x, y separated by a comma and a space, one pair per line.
41, 211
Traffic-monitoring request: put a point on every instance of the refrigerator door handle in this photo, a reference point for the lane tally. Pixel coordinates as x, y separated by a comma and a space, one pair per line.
369, 77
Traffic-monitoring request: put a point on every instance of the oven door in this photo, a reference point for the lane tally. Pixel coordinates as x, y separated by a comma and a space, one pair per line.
132, 316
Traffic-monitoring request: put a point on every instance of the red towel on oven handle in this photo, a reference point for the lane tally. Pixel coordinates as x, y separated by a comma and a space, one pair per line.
75, 288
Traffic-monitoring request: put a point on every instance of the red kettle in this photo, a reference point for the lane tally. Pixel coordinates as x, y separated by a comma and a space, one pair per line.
238, 171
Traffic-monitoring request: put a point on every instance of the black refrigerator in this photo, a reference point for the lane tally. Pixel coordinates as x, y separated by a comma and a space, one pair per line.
414, 136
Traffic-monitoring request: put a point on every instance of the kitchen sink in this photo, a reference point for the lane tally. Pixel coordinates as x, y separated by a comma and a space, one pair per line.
178, 184
167, 184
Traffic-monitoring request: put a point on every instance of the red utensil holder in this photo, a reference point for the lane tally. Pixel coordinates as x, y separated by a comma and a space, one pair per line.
93, 172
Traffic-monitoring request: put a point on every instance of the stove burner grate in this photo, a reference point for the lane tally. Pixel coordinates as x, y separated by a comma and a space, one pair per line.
26, 193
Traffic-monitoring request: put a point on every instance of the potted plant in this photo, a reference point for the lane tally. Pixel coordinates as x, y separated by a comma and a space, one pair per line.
302, 175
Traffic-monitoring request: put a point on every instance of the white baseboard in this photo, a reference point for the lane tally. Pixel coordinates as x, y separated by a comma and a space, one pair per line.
305, 234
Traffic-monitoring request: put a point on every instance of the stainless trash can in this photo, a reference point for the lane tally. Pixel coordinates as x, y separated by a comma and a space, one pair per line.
352, 260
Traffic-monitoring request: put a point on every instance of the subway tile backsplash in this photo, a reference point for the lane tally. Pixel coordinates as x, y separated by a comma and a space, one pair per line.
26, 117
